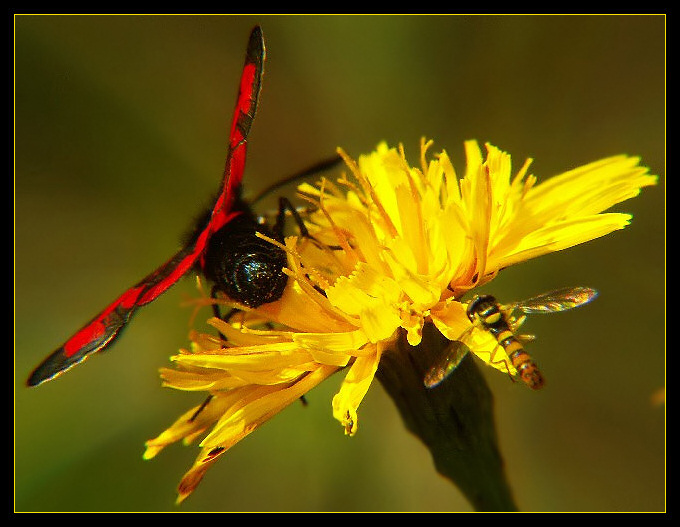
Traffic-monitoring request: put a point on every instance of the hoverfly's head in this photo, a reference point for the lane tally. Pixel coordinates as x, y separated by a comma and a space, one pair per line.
478, 305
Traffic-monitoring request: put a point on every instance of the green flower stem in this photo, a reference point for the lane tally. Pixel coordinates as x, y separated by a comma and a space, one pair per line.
454, 419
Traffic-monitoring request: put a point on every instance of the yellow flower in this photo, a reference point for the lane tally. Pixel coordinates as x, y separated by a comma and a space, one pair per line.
391, 250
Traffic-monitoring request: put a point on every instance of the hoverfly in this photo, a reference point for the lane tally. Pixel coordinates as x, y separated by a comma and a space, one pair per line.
486, 313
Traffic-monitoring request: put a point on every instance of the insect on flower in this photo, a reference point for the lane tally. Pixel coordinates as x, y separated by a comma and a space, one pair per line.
487, 314
388, 260
224, 246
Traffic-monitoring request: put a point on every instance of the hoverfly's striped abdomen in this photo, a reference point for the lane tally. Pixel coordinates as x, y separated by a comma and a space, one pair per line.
485, 311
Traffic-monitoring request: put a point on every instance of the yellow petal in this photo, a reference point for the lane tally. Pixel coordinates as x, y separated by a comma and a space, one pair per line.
558, 236
252, 358
353, 390
451, 319
300, 312
258, 404
345, 342
185, 426
193, 381
589, 189
404, 268
370, 296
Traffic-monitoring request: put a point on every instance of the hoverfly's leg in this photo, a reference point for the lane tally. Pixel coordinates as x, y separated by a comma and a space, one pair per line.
504, 361
514, 323
200, 408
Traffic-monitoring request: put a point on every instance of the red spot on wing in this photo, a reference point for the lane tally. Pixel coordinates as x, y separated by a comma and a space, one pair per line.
242, 120
105, 327
81, 339
247, 98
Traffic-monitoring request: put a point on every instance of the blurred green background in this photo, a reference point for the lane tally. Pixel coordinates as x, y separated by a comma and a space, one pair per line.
120, 130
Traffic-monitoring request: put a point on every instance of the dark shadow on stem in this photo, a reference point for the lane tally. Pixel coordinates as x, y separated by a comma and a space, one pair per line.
454, 420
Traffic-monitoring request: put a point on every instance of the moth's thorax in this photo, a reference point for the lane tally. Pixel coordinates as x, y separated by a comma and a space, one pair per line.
245, 267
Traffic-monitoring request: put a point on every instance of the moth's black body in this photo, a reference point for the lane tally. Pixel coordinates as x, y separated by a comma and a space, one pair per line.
245, 267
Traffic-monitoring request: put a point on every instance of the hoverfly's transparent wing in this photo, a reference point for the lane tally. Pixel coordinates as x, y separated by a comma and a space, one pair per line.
452, 356
554, 301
